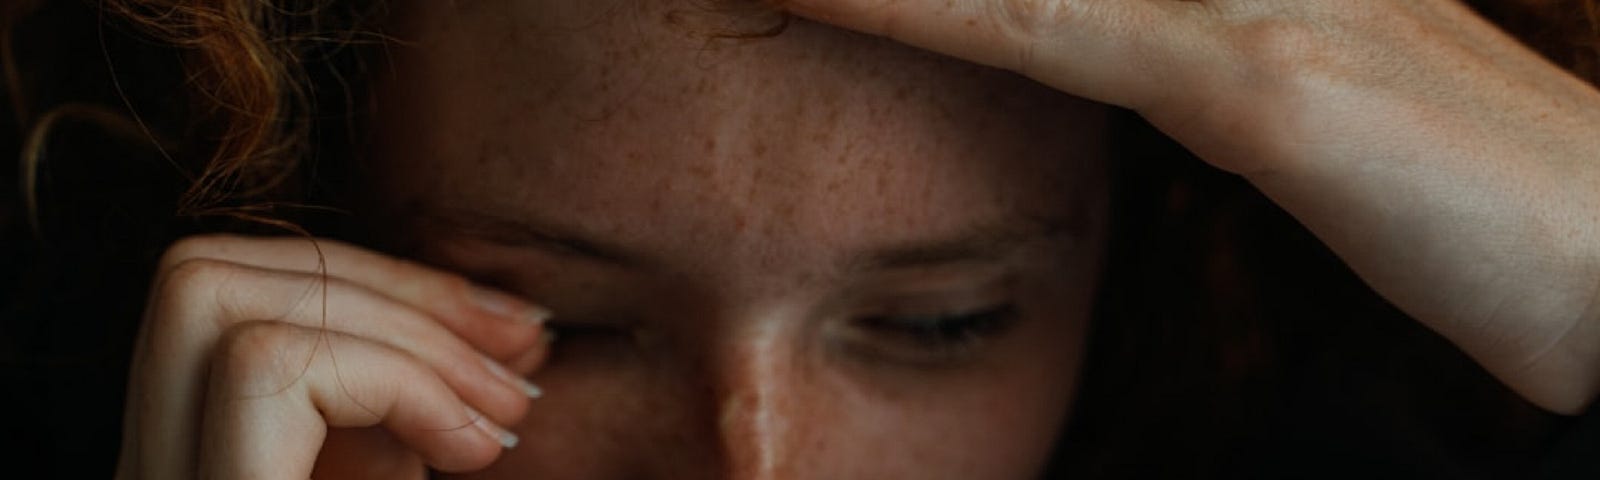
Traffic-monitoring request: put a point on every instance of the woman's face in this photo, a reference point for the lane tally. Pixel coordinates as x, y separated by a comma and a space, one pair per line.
817, 255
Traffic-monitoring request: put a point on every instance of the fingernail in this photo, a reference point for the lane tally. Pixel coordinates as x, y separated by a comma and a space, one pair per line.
507, 306
500, 434
527, 387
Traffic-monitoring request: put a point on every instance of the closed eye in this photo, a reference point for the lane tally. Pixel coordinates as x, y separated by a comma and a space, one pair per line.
938, 338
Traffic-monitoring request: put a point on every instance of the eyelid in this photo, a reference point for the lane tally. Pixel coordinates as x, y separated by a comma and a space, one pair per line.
935, 301
929, 342
930, 316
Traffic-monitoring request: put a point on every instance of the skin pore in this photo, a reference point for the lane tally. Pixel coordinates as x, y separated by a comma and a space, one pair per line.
816, 255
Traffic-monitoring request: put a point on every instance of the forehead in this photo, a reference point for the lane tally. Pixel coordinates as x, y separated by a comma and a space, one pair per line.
636, 120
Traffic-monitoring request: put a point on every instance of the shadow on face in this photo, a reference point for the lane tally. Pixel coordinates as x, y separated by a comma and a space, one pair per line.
816, 255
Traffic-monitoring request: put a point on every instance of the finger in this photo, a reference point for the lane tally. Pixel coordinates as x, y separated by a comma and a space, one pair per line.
200, 299
275, 389
1122, 52
530, 361
218, 294
495, 322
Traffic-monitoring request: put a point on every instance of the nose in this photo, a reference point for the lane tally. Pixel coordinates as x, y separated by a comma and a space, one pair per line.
763, 407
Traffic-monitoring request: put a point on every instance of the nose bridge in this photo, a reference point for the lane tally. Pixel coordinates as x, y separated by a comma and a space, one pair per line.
755, 375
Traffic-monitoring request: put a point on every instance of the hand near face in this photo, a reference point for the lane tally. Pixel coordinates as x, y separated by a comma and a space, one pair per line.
1451, 167
252, 364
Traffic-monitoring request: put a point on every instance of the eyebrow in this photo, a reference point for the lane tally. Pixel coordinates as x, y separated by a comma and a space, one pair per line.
981, 243
531, 233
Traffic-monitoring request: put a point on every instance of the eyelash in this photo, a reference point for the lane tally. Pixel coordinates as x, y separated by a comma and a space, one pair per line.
945, 335
943, 339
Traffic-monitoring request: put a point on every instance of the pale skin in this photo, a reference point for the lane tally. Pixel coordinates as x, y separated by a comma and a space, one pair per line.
718, 294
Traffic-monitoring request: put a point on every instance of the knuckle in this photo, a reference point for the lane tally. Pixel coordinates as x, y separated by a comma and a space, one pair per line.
1281, 49
198, 271
182, 286
191, 247
260, 357
1035, 19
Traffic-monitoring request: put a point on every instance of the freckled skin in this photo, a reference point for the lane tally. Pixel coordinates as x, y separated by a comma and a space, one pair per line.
748, 170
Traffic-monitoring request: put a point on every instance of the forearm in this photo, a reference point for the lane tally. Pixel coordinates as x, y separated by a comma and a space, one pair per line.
1485, 230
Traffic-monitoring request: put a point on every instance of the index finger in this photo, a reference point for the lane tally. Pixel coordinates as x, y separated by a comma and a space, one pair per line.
497, 323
